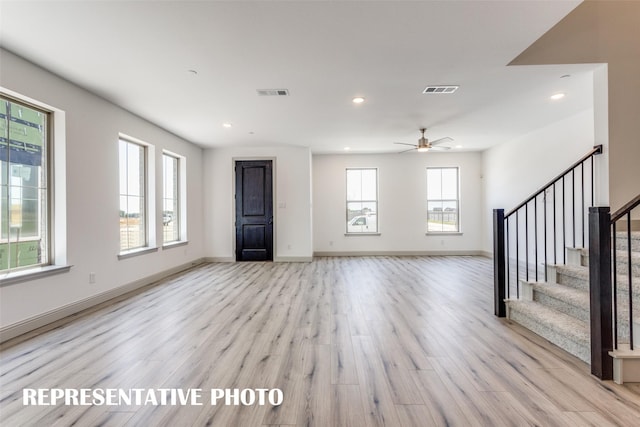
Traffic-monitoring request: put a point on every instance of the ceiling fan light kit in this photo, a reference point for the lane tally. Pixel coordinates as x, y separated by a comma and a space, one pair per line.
425, 145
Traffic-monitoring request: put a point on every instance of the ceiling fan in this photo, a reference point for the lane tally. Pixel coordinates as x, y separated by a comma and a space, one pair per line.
424, 144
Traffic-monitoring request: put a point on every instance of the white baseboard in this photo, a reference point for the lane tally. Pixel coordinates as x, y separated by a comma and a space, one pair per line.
275, 259
486, 254
16, 329
293, 259
399, 253
219, 259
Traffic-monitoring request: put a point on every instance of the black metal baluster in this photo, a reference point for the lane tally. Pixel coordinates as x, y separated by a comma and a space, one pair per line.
535, 230
615, 290
573, 205
517, 258
526, 241
592, 181
508, 263
545, 234
629, 272
564, 225
555, 234
582, 221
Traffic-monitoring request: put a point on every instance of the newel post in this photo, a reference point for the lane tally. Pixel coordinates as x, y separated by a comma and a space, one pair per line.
499, 284
600, 292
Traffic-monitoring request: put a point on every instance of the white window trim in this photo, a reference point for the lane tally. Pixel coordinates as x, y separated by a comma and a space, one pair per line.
457, 232
150, 199
182, 200
377, 201
57, 196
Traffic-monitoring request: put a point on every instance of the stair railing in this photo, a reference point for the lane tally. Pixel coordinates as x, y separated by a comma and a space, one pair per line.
537, 231
603, 285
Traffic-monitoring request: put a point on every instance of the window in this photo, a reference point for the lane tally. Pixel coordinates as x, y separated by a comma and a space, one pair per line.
170, 198
443, 215
362, 201
24, 189
133, 191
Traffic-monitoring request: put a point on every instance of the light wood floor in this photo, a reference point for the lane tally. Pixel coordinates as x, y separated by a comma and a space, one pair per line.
396, 341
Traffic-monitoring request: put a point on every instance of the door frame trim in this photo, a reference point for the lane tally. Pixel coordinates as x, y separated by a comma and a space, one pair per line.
274, 186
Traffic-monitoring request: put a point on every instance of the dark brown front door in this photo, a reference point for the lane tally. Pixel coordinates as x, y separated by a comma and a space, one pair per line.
254, 211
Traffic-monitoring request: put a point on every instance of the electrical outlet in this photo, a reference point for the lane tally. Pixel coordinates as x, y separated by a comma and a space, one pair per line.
92, 277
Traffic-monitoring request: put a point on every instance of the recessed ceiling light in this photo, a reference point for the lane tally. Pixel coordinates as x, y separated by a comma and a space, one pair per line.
458, 146
347, 148
557, 96
358, 100
226, 125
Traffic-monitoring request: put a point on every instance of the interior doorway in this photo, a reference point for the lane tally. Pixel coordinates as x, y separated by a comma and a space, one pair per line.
254, 210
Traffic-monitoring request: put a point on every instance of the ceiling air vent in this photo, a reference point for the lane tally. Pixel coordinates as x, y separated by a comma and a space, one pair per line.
272, 92
440, 89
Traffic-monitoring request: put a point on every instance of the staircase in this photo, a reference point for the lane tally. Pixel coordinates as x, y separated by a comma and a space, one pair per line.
589, 305
558, 309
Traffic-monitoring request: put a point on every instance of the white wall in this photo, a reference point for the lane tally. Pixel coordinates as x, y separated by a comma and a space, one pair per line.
292, 201
401, 204
92, 128
515, 170
604, 32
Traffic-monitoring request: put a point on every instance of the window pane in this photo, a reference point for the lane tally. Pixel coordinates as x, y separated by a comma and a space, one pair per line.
450, 183
135, 170
135, 222
434, 220
369, 184
362, 204
362, 217
170, 206
442, 200
23, 186
122, 155
354, 184
434, 184
132, 195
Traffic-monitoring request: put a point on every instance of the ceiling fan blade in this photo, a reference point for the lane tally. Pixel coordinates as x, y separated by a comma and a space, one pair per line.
404, 143
439, 148
441, 140
410, 149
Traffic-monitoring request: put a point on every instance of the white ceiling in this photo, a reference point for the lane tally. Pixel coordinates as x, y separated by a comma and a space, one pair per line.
137, 54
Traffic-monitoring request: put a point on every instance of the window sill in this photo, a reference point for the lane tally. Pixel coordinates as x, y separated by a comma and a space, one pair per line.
32, 274
135, 252
175, 244
444, 233
362, 234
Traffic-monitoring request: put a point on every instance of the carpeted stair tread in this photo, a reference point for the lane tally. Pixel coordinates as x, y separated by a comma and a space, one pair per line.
563, 330
565, 299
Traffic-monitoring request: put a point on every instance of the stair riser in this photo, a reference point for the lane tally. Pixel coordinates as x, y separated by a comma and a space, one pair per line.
622, 265
572, 281
581, 313
622, 245
623, 293
583, 284
579, 349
